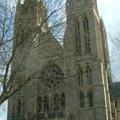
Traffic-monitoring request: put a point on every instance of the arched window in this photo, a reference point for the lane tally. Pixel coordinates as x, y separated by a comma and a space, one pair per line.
77, 37
81, 99
39, 104
90, 95
52, 76
56, 102
80, 77
19, 106
63, 101
45, 104
68, 71
89, 79
87, 36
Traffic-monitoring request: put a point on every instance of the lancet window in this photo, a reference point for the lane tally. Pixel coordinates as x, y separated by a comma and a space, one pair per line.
80, 77
89, 78
39, 104
87, 36
56, 102
63, 101
19, 106
77, 37
45, 104
81, 99
90, 95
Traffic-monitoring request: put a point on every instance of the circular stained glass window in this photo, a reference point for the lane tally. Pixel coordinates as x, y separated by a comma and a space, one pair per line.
52, 76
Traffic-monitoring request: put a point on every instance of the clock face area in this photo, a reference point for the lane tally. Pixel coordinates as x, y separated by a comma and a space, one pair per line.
52, 76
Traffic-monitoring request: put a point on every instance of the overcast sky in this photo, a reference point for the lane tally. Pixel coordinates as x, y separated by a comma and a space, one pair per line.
109, 10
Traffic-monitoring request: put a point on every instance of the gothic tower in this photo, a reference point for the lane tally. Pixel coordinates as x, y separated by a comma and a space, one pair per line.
28, 17
86, 60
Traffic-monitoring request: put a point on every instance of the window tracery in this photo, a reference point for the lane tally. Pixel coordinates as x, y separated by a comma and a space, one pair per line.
81, 99
77, 37
80, 77
52, 76
89, 78
86, 36
56, 102
45, 104
19, 106
39, 104
63, 101
90, 95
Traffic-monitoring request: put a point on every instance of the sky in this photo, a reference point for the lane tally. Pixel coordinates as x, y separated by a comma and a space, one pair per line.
109, 11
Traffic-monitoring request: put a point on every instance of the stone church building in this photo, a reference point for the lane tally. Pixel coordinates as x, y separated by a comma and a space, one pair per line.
71, 81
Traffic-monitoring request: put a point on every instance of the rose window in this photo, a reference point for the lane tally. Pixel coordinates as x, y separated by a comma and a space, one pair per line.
52, 76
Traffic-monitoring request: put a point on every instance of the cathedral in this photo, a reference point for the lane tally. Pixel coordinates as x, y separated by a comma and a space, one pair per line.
69, 81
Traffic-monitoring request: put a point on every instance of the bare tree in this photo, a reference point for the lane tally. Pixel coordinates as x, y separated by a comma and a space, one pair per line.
115, 46
29, 19
115, 55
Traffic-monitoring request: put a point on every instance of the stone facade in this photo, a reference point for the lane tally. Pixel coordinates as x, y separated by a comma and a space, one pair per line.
69, 82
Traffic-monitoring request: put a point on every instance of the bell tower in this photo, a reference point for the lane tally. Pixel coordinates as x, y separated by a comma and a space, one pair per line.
82, 20
29, 22
29, 16
84, 49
